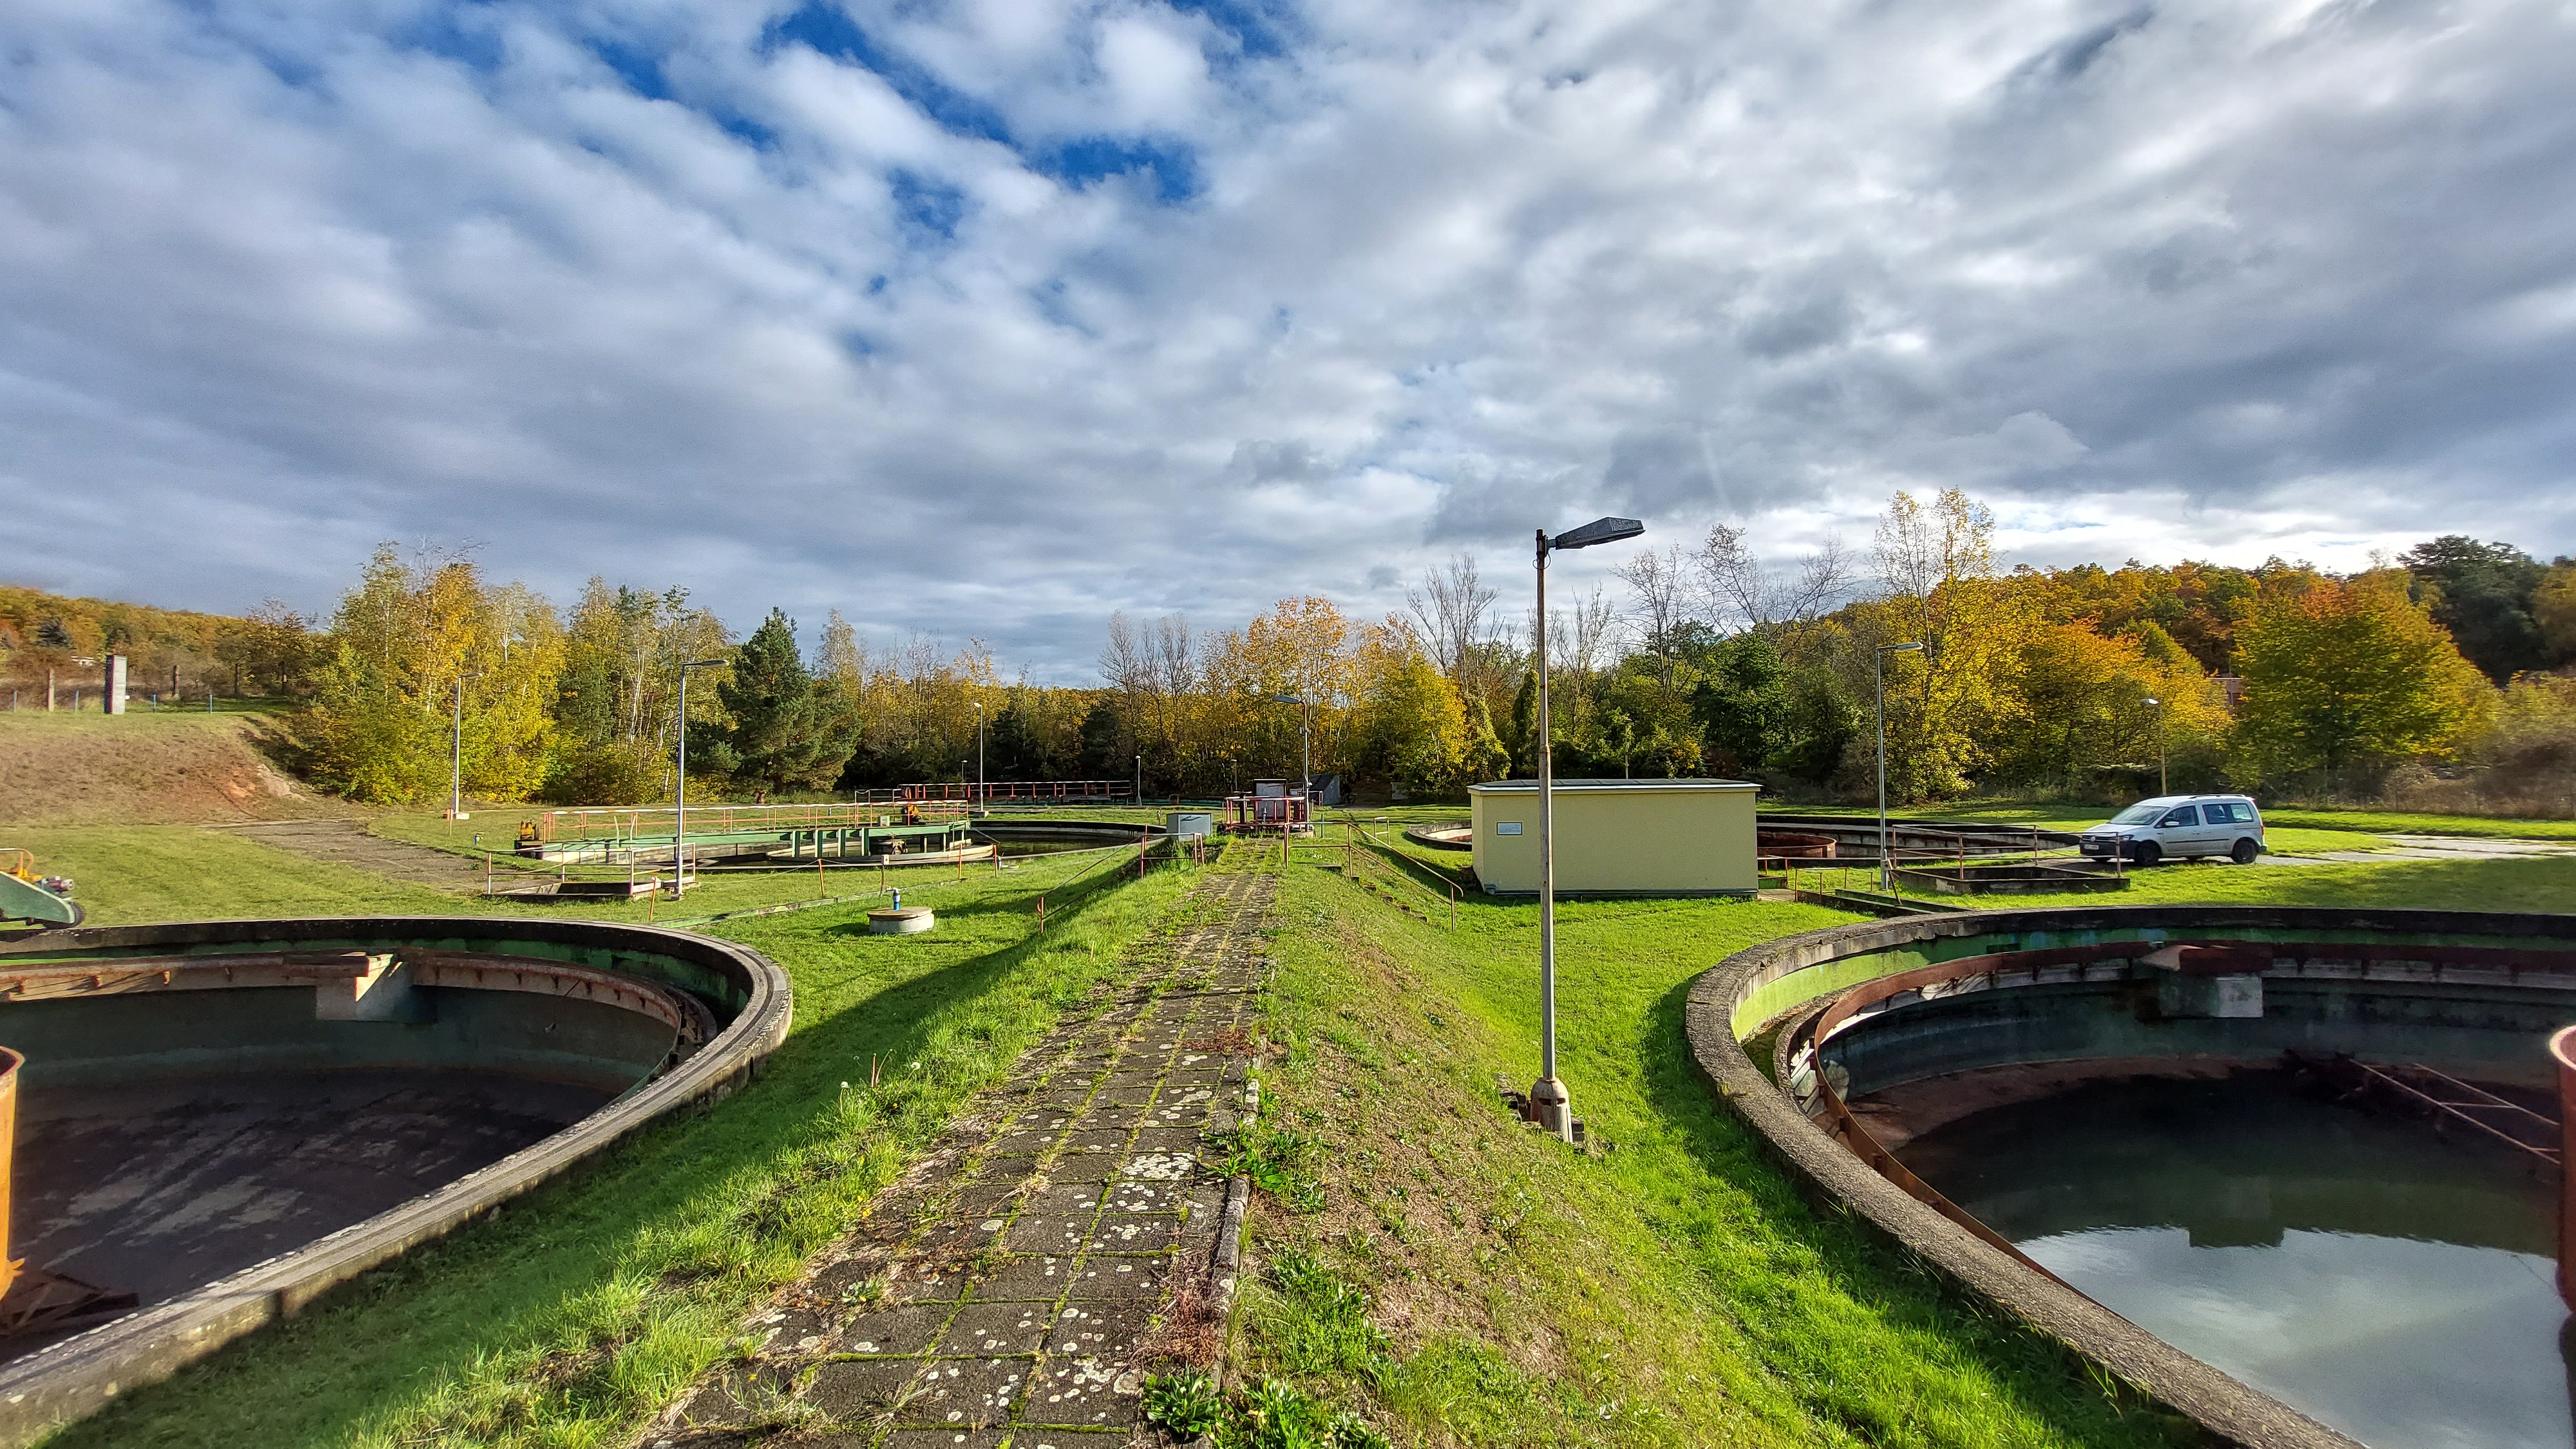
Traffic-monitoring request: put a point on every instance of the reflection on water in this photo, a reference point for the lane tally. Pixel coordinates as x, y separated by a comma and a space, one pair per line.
2391, 1283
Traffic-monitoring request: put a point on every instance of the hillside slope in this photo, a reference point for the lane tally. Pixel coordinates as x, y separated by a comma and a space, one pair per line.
136, 769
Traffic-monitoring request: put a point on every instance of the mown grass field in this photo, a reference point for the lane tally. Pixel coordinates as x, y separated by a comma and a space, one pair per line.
2076, 817
1433, 1264
1466, 1281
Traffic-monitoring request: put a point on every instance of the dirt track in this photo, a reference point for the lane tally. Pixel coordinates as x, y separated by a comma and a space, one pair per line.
346, 842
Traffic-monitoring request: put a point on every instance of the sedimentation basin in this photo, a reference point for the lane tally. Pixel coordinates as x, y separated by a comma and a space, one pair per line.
219, 1121
2158, 1109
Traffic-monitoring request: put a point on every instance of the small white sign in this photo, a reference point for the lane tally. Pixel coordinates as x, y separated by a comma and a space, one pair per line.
1507, 827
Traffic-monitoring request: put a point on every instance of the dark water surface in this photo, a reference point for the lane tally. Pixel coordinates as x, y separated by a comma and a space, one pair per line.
2385, 1280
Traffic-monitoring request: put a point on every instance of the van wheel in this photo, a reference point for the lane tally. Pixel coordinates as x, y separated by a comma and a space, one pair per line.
2146, 852
2245, 851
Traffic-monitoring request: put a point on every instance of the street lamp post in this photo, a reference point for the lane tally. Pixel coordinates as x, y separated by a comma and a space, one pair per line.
456, 751
980, 794
1305, 748
1879, 673
1550, 1106
680, 815
2160, 742
1140, 782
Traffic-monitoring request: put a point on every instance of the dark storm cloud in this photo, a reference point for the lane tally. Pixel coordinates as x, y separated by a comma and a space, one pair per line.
988, 319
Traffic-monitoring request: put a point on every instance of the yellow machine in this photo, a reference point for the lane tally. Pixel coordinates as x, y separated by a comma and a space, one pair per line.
45, 900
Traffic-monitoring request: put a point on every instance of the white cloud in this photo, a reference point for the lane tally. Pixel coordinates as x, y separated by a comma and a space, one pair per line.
1071, 307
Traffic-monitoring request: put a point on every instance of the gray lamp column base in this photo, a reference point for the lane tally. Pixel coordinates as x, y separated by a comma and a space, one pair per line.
1551, 1108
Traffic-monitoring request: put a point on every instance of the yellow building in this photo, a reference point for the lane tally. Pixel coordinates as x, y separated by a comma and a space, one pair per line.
1620, 837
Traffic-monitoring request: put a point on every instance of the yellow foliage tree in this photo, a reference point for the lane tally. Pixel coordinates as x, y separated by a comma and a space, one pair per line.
2343, 673
413, 648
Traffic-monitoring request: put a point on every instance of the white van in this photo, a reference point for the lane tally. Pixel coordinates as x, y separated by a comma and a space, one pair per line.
2179, 827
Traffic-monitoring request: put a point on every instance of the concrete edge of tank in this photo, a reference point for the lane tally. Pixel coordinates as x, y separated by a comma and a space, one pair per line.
2227, 1408
78, 1376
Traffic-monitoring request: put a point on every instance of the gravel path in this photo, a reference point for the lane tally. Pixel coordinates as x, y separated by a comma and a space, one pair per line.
1017, 1285
347, 842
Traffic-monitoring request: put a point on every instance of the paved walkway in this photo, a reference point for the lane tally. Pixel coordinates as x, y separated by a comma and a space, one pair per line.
348, 842
1017, 1285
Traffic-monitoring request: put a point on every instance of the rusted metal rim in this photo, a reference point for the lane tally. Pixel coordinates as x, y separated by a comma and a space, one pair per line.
77, 1376
2218, 1402
2562, 1047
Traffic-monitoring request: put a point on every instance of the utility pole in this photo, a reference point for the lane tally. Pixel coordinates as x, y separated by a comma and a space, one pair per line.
2160, 743
1551, 1106
1879, 676
980, 793
680, 814
456, 750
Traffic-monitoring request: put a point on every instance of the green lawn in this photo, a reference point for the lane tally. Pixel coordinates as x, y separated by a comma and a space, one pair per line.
570, 1313
1453, 1276
498, 825
1433, 1264
2076, 817
2451, 885
1670, 1290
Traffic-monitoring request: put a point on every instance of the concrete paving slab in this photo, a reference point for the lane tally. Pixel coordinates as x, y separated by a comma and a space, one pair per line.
1015, 1296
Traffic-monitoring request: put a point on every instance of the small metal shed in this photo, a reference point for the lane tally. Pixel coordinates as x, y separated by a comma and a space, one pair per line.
1620, 837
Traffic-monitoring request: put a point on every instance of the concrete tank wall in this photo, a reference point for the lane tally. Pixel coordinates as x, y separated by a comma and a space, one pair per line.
2492, 1034
148, 1037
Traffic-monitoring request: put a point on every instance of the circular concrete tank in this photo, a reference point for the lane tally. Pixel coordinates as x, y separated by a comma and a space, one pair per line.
1983, 1015
219, 1121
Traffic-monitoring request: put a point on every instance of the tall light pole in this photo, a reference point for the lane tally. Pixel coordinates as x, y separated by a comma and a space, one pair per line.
1305, 748
2160, 742
1879, 675
1549, 1103
456, 751
979, 758
680, 823
1140, 782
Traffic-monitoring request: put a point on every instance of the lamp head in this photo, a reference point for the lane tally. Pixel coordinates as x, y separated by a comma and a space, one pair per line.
1900, 648
1599, 530
702, 664
2151, 699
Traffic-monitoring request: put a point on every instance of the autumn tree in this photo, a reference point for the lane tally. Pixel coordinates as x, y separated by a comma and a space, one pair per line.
2342, 674
413, 646
1937, 566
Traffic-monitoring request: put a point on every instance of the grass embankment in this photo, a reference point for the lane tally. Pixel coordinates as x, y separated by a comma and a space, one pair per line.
174, 765
567, 1315
129, 874
1463, 1280
497, 825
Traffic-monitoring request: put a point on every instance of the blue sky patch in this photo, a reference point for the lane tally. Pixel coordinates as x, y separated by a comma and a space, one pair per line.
641, 72
1080, 162
828, 30
926, 203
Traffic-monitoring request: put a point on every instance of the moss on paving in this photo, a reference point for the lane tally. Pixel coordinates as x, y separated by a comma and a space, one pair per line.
569, 1314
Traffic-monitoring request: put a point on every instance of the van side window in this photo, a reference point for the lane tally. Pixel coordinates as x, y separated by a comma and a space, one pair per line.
2241, 814
2180, 815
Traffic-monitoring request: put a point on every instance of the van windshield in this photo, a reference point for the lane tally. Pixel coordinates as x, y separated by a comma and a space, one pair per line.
2142, 813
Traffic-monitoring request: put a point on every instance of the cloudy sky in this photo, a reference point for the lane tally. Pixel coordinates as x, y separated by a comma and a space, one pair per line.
987, 318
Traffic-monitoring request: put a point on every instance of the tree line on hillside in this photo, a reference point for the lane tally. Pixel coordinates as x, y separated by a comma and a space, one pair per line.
168, 651
2439, 676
